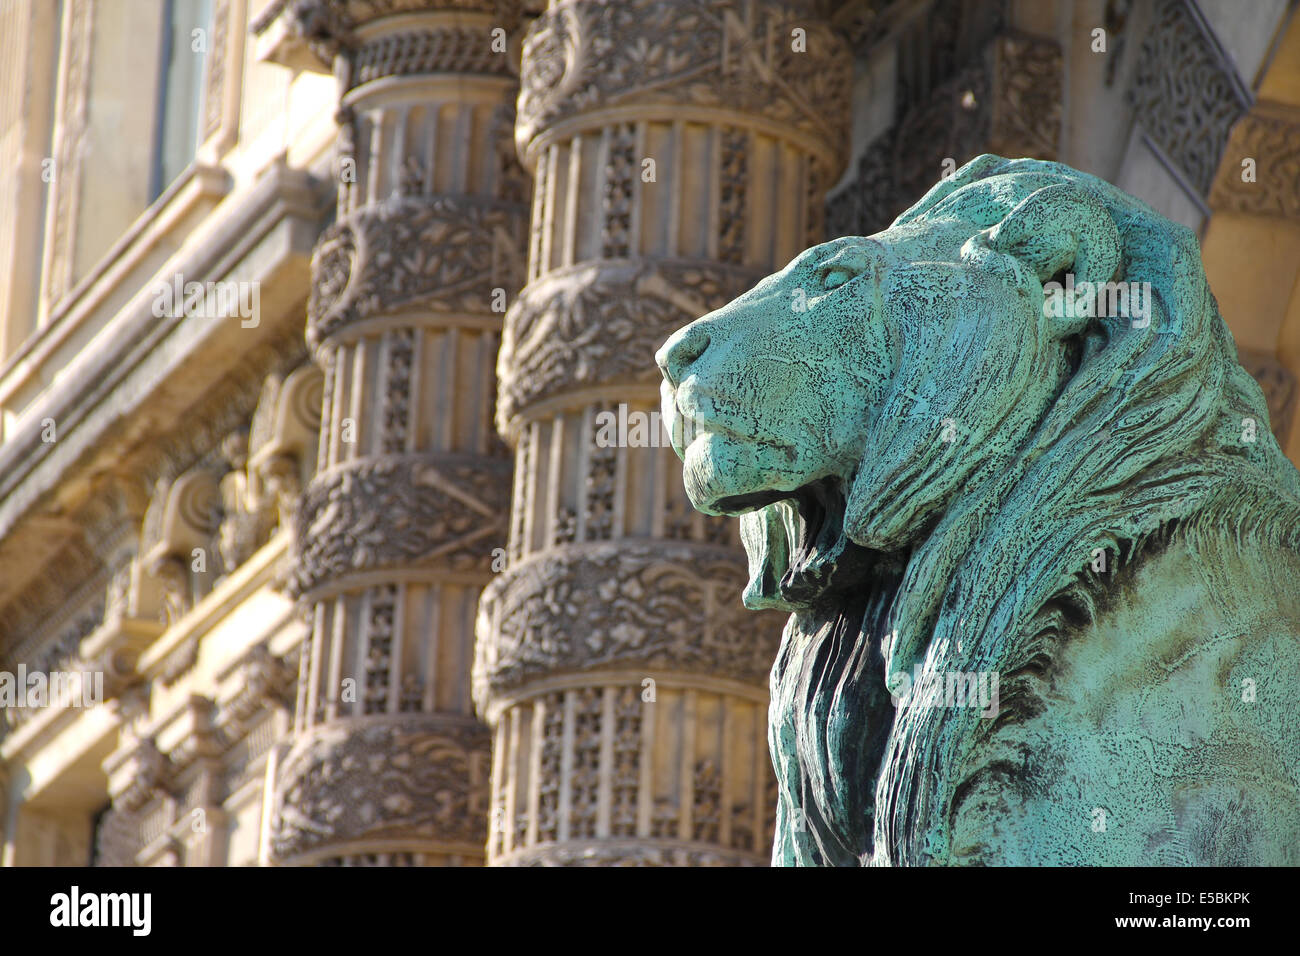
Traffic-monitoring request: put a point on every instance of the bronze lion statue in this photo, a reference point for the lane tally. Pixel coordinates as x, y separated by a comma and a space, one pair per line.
1040, 550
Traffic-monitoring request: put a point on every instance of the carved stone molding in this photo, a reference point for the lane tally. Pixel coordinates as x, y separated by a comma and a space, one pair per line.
330, 25
720, 54
440, 252
416, 781
1185, 92
1273, 142
448, 49
1028, 96
401, 512
50, 617
265, 681
647, 604
57, 649
601, 325
629, 853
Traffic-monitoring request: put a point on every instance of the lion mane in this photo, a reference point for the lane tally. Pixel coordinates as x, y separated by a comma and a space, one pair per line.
1140, 448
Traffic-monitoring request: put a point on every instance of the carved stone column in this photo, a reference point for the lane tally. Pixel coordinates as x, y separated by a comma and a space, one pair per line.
681, 150
395, 534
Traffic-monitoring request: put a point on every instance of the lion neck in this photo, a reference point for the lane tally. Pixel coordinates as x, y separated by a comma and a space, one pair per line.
831, 716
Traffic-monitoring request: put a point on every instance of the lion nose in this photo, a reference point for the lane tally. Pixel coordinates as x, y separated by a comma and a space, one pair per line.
677, 354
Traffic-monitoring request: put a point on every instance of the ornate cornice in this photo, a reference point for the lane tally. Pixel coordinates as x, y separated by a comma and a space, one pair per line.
400, 512
653, 604
717, 54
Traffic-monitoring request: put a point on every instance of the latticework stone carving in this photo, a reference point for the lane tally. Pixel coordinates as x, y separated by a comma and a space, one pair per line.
396, 534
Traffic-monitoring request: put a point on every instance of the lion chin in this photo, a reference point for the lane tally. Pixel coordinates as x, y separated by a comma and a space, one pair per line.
947, 484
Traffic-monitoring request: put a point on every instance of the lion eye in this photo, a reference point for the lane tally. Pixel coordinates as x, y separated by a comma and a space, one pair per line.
836, 276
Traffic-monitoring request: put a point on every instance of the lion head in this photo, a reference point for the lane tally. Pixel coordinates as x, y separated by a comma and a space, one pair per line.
926, 433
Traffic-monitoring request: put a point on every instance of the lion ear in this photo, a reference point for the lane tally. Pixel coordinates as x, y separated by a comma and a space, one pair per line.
1061, 228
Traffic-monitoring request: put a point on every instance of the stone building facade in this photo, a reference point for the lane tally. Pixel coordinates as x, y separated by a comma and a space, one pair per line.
311, 312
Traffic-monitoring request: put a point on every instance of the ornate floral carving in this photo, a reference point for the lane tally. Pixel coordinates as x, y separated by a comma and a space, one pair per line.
418, 780
399, 359
1186, 93
247, 521
379, 648
733, 180
621, 168
437, 252
715, 53
400, 511
584, 777
1028, 96
1273, 141
586, 326
548, 793
59, 653
601, 480
706, 800
665, 607
626, 783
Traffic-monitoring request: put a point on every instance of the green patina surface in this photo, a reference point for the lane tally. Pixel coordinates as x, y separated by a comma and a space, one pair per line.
942, 478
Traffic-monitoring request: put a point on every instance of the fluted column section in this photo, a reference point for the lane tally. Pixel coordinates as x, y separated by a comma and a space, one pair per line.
395, 535
681, 150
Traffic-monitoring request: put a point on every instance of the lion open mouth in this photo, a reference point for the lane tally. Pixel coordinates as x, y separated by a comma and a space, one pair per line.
818, 556
819, 507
